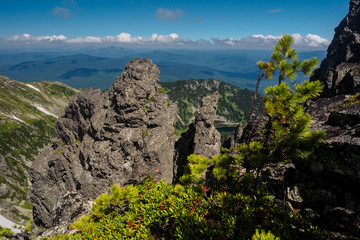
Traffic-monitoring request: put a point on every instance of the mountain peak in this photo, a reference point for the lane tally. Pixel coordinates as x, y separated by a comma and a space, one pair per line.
122, 136
340, 70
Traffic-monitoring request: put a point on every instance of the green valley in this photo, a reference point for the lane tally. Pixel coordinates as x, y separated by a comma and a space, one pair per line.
233, 108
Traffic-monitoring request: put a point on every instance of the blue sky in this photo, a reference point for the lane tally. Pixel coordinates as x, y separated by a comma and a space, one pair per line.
169, 22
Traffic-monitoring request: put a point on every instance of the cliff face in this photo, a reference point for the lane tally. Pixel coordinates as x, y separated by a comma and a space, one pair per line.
333, 112
120, 136
340, 69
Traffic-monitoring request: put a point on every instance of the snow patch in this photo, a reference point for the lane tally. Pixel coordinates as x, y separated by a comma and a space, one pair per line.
16, 118
46, 111
31, 86
74, 89
6, 223
13, 117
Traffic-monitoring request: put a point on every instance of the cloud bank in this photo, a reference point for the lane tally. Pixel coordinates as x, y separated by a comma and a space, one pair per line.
310, 41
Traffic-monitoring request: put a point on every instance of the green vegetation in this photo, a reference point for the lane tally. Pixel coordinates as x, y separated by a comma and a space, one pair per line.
351, 100
157, 210
23, 138
233, 107
214, 199
5, 233
286, 134
59, 90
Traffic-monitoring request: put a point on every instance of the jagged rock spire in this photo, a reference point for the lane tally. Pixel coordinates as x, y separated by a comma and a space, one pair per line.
202, 138
119, 137
340, 70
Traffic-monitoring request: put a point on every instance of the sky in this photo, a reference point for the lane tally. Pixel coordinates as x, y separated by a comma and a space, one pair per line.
169, 23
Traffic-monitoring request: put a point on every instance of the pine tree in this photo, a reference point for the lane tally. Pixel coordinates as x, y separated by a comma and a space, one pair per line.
286, 134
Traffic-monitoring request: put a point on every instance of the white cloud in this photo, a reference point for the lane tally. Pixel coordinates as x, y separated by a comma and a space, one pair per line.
27, 38
311, 41
258, 41
62, 12
275, 10
65, 11
166, 15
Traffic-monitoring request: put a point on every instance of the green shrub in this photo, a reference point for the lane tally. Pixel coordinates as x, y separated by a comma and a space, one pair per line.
263, 235
158, 210
5, 232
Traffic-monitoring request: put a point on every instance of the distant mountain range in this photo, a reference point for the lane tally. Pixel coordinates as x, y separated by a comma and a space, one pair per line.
83, 71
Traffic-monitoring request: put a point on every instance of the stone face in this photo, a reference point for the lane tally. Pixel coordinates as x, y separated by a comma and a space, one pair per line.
339, 71
120, 136
202, 138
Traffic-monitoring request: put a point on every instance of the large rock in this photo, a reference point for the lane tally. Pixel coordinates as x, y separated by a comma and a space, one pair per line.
340, 70
202, 138
120, 136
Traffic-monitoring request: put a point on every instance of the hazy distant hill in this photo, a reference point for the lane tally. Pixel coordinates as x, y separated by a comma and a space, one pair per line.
84, 71
236, 67
27, 123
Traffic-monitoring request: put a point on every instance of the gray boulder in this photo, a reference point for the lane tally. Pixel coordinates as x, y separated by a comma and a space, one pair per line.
120, 136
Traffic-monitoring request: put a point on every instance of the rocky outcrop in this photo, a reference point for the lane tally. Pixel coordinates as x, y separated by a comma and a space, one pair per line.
340, 70
202, 138
207, 140
330, 178
235, 137
119, 136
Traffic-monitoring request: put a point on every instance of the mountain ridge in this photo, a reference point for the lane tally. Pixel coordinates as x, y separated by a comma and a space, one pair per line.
235, 67
28, 113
